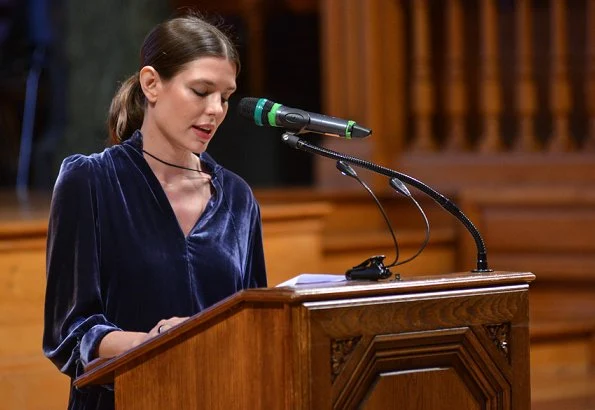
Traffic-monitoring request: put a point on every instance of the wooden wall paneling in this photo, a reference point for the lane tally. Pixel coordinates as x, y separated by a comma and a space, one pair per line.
552, 230
293, 239
342, 252
27, 379
355, 230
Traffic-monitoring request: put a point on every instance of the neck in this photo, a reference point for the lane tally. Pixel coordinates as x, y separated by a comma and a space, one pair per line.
169, 164
168, 161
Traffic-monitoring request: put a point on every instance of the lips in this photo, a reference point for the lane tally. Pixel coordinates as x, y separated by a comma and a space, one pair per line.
203, 131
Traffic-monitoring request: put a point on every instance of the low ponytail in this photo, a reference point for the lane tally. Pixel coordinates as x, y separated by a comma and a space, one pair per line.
167, 48
126, 111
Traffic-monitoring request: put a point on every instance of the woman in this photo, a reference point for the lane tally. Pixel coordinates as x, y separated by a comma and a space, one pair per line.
152, 230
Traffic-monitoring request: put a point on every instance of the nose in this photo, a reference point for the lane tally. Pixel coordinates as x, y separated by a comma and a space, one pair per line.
215, 105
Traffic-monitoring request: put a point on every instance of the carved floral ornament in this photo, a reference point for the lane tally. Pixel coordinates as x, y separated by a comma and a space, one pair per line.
340, 351
500, 336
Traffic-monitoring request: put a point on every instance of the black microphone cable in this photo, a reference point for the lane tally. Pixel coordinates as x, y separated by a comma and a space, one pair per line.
372, 268
401, 188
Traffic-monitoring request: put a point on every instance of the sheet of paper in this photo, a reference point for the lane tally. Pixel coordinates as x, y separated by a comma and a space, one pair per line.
306, 278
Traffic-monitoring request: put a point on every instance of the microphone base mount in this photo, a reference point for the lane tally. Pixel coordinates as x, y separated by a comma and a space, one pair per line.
371, 269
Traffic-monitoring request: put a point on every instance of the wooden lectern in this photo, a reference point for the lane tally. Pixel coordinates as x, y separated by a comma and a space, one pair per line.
457, 341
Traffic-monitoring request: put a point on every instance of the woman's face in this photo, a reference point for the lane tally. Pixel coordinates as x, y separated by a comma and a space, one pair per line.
187, 109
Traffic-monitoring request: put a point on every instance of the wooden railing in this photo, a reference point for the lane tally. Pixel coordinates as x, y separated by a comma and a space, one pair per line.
449, 78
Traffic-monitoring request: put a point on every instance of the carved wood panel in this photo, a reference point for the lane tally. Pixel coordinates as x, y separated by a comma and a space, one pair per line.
458, 340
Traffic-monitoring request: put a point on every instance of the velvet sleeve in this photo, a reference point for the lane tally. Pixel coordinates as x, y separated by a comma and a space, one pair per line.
255, 270
74, 322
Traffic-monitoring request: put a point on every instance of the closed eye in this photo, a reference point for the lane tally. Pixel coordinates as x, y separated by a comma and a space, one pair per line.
200, 93
224, 100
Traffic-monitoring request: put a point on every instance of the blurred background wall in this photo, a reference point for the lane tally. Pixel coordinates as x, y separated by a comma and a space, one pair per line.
491, 102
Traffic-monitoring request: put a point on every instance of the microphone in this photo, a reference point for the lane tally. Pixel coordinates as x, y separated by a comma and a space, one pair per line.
372, 268
482, 257
265, 112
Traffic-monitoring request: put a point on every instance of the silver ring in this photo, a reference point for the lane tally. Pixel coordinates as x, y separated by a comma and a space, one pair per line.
159, 328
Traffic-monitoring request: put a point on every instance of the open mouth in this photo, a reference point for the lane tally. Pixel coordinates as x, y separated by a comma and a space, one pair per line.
206, 130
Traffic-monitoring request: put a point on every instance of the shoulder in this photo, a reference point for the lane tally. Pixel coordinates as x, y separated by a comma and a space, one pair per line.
75, 167
82, 169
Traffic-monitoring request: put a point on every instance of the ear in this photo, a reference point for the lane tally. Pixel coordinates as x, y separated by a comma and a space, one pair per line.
150, 82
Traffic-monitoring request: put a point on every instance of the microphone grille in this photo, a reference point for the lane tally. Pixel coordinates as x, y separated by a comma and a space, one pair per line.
256, 109
247, 106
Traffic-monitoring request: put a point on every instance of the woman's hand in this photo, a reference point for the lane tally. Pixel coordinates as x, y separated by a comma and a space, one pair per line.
115, 343
165, 324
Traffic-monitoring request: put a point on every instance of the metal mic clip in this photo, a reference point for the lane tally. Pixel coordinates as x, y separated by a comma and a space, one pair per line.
371, 269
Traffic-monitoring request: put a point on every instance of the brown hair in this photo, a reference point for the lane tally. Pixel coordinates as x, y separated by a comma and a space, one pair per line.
167, 48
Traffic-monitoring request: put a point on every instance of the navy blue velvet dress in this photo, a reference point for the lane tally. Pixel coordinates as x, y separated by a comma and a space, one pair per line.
118, 259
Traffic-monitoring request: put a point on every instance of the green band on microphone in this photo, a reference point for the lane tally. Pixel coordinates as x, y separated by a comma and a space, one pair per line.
258, 111
350, 125
272, 114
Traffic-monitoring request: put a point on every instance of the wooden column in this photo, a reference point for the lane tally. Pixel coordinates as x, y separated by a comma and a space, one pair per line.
422, 87
383, 73
363, 56
254, 14
455, 101
343, 85
589, 144
340, 32
490, 88
560, 103
525, 85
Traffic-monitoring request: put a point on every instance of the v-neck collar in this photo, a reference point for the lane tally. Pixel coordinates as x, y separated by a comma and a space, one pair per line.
135, 143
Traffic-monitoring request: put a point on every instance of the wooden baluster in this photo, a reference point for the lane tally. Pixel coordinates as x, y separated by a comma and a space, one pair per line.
340, 71
490, 101
383, 77
422, 87
254, 14
455, 102
353, 46
525, 84
589, 144
560, 104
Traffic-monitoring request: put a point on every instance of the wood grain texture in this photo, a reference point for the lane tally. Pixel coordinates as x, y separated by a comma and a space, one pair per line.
434, 388
23, 368
271, 348
214, 367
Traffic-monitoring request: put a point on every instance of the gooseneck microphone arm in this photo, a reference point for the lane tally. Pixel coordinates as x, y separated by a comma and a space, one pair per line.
482, 259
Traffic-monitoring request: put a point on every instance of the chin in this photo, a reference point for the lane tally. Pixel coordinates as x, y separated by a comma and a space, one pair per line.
199, 147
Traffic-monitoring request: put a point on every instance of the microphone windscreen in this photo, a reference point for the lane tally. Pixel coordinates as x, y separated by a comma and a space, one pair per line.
247, 106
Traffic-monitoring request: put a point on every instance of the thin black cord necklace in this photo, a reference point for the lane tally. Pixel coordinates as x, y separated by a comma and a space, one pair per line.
170, 164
